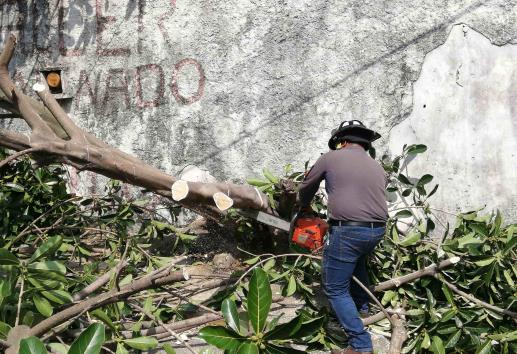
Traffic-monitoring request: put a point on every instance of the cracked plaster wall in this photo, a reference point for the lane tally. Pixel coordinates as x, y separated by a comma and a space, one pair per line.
237, 85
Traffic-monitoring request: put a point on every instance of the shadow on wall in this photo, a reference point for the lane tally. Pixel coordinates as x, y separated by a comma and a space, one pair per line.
442, 26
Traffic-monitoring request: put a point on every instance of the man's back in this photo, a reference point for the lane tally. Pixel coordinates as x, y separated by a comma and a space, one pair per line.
355, 185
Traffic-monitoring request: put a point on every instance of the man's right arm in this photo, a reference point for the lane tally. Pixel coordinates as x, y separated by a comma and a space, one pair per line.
311, 183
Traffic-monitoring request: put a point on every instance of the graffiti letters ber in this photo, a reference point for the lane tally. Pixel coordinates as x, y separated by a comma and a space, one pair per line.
125, 85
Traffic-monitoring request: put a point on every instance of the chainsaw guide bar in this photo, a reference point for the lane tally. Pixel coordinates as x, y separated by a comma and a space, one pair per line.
267, 219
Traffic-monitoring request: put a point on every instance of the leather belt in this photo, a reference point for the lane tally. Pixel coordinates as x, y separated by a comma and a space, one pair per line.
334, 222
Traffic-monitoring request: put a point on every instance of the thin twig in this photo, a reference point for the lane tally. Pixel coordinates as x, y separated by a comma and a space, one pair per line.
475, 300
17, 155
121, 263
184, 298
362, 286
19, 303
160, 322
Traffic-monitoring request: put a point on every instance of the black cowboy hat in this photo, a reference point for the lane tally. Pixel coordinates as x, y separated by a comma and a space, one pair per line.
353, 131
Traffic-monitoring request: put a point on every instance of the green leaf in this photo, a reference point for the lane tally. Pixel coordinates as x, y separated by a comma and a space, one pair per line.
291, 286
4, 330
415, 312
485, 262
252, 261
388, 296
510, 244
90, 341
52, 266
44, 307
270, 176
103, 316
58, 296
59, 348
121, 349
453, 339
424, 180
269, 264
32, 345
404, 179
468, 240
285, 330
403, 214
141, 343
248, 348
508, 278
411, 239
310, 327
259, 299
485, 348
426, 341
231, 315
273, 349
168, 349
448, 294
416, 149
437, 345
14, 186
257, 182
221, 337
47, 247
433, 191
7, 258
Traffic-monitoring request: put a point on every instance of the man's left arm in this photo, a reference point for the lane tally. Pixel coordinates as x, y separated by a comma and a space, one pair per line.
311, 183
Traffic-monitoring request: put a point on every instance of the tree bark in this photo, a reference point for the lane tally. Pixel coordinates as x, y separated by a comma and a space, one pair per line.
427, 271
55, 135
398, 335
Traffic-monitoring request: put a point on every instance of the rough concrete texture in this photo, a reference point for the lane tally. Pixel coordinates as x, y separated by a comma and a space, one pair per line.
237, 85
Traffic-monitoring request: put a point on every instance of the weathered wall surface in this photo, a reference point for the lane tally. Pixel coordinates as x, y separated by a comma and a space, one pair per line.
233, 86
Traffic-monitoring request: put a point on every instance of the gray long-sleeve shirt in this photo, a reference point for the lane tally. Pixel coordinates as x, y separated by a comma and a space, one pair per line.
355, 185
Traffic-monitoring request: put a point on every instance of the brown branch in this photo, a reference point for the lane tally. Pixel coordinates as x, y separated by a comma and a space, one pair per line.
367, 291
86, 152
15, 96
427, 271
43, 112
98, 283
7, 53
398, 335
475, 300
15, 156
51, 103
106, 299
14, 141
160, 322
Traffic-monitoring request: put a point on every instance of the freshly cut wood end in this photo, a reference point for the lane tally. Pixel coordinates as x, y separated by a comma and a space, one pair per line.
38, 87
179, 190
186, 276
455, 260
222, 201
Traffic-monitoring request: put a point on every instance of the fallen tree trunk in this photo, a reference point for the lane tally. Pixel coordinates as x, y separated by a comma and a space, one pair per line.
55, 138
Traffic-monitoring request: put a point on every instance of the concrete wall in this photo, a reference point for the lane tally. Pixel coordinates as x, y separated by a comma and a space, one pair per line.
232, 86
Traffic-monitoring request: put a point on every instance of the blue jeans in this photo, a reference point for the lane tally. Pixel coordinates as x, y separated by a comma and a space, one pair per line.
344, 255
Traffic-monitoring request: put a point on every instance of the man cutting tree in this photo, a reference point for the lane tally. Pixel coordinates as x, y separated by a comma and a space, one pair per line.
355, 184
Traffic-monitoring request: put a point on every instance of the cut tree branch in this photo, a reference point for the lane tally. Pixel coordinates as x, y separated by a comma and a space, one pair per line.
398, 335
427, 271
86, 152
103, 299
475, 300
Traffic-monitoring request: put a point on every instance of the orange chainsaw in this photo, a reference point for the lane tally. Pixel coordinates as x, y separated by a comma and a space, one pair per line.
305, 229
